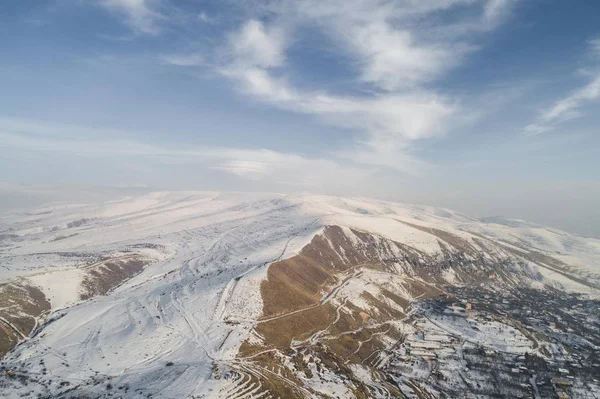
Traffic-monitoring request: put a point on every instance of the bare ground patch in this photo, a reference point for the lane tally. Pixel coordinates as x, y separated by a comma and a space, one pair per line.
298, 316
100, 279
21, 306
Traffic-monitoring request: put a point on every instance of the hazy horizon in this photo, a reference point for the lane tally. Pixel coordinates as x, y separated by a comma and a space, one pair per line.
487, 107
27, 199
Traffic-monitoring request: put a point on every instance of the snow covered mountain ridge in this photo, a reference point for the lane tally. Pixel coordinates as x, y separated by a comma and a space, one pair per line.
194, 294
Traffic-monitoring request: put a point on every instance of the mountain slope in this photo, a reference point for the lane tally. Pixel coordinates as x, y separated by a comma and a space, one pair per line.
260, 295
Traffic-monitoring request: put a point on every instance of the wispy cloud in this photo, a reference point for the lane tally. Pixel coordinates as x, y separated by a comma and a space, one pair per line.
204, 17
381, 40
495, 11
391, 59
184, 60
389, 54
569, 107
595, 47
256, 165
258, 45
241, 167
390, 120
140, 15
397, 50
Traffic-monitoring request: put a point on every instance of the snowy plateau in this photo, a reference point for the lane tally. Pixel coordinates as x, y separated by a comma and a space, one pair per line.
238, 295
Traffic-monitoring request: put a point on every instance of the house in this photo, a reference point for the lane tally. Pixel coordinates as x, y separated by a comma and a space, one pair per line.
424, 354
424, 345
560, 382
437, 338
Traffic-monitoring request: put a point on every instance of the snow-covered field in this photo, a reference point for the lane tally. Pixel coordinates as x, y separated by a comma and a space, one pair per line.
209, 253
174, 309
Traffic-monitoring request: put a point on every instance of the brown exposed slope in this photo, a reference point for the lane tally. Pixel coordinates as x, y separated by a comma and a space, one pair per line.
100, 279
302, 313
294, 284
300, 281
21, 306
339, 302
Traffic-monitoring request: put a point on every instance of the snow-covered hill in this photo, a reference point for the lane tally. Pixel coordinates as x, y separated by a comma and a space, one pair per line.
195, 294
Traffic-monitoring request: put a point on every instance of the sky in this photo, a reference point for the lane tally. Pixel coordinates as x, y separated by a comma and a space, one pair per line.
488, 107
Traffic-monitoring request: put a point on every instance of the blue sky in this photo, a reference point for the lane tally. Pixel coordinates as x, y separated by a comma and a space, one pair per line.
488, 107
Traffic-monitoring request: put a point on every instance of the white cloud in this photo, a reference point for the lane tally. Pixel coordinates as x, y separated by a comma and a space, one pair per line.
289, 170
259, 82
184, 60
398, 44
397, 49
569, 107
204, 17
495, 11
595, 47
97, 145
256, 45
388, 152
392, 60
244, 168
410, 115
141, 15
395, 117
388, 44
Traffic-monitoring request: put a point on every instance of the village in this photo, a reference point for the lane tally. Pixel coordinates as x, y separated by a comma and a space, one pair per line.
525, 344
